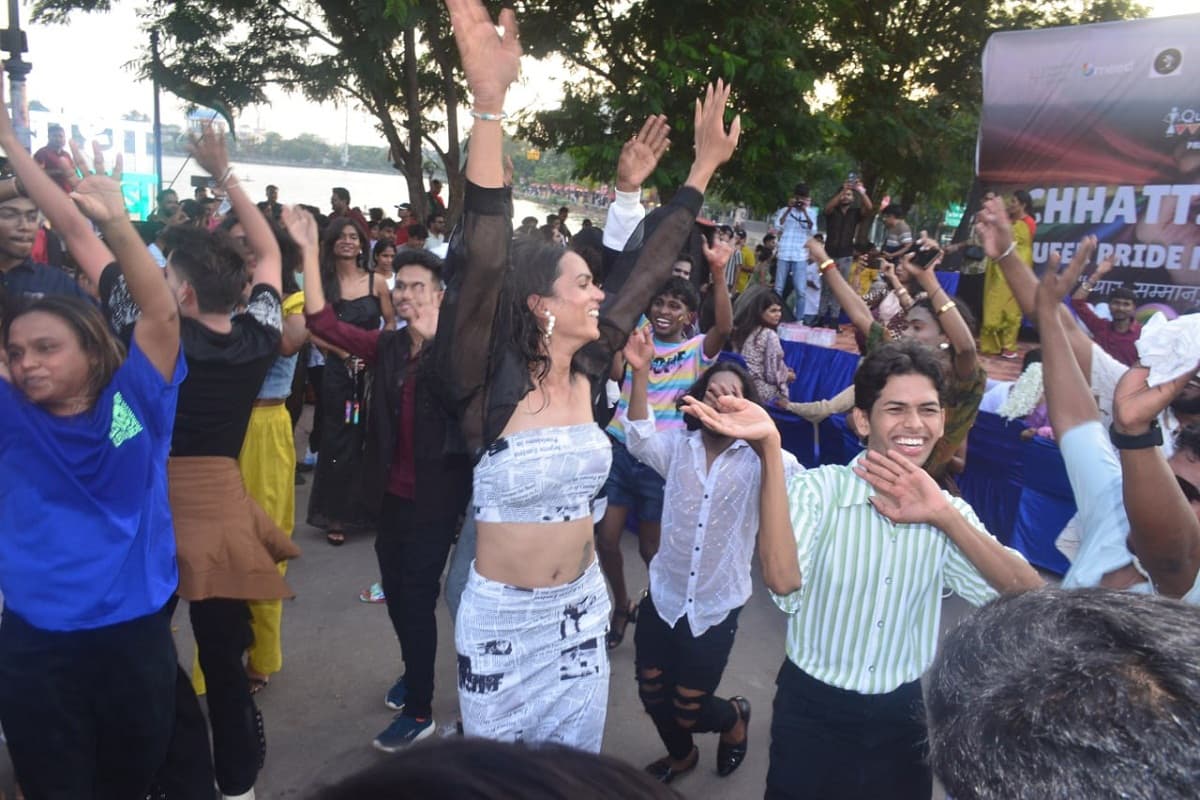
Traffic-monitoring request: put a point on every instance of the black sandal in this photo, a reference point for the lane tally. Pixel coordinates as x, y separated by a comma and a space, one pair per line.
731, 756
662, 772
335, 538
616, 635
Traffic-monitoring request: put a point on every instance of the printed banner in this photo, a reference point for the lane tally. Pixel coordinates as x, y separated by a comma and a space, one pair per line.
1101, 125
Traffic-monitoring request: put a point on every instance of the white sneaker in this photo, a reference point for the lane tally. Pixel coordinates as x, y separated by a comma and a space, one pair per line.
247, 796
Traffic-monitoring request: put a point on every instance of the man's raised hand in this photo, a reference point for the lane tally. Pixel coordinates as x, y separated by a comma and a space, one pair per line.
1055, 285
738, 418
994, 229
905, 492
639, 350
640, 155
715, 144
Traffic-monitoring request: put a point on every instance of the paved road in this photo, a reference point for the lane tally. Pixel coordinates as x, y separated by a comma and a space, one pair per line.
340, 657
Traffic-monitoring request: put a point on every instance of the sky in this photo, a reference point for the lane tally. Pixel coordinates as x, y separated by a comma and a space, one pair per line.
106, 42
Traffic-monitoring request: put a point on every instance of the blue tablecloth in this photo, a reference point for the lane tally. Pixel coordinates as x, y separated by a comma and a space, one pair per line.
1047, 503
821, 372
949, 281
991, 482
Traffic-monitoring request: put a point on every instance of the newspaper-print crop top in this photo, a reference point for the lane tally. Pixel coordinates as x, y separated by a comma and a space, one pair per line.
542, 475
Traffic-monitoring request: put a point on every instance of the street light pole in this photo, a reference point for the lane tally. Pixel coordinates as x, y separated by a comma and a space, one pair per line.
158, 149
13, 42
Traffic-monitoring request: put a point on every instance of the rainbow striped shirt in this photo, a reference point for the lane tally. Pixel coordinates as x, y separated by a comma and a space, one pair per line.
676, 366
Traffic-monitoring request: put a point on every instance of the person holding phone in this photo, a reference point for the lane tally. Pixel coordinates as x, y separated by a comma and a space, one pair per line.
796, 222
844, 212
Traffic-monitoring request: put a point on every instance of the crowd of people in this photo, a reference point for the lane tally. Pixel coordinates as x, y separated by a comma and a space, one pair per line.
522, 399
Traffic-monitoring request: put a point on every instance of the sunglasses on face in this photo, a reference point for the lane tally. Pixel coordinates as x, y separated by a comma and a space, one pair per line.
1189, 490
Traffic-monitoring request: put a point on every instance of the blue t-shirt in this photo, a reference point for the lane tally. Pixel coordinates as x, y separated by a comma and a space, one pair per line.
86, 537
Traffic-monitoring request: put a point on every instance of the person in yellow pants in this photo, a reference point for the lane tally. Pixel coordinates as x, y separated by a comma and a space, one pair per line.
1001, 314
268, 466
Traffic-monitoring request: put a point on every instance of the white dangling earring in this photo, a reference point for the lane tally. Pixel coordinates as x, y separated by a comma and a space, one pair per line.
549, 325
943, 345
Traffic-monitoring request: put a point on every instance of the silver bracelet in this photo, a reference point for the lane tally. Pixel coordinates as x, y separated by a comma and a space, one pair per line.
488, 117
1011, 247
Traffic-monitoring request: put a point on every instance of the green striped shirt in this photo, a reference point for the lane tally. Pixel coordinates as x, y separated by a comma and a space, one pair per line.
866, 616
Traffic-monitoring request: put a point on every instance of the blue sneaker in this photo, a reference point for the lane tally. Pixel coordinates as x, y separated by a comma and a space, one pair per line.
396, 694
403, 731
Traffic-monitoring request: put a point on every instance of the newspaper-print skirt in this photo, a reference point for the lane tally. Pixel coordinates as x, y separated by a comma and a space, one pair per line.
532, 663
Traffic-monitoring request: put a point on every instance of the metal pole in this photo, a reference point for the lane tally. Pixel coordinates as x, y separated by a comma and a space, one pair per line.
158, 150
12, 41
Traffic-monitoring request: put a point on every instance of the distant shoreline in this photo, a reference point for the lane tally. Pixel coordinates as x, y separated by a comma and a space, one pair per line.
243, 159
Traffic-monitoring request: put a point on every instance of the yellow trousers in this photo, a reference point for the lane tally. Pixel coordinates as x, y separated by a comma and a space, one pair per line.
268, 466
1001, 313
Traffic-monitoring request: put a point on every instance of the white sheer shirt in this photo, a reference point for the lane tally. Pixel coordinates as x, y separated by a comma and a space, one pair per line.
709, 522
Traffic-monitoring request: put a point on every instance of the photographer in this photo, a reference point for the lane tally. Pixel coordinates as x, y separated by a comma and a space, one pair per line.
796, 222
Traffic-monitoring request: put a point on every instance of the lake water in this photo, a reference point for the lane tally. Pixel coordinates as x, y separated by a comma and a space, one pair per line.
312, 185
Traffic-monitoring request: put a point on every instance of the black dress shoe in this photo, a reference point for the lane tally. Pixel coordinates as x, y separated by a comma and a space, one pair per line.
662, 771
731, 756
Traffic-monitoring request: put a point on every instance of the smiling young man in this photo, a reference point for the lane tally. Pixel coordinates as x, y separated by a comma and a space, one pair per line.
861, 567
416, 487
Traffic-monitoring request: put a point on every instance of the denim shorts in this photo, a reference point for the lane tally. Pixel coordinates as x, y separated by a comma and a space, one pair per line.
632, 484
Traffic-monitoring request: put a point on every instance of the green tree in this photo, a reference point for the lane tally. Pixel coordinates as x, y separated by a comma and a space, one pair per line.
909, 83
393, 58
655, 56
904, 75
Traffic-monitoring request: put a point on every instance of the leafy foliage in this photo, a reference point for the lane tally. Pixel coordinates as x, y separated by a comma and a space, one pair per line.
225, 53
655, 57
902, 78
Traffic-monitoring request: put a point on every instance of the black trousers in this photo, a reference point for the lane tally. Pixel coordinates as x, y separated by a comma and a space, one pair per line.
222, 631
412, 546
87, 714
221, 628
683, 661
829, 742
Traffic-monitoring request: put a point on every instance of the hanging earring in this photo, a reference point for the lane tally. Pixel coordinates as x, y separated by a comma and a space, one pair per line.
549, 325
944, 345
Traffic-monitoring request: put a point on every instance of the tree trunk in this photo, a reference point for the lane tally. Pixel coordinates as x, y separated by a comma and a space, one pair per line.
440, 47
413, 162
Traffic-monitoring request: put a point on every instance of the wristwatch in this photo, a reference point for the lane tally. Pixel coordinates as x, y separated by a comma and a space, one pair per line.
1141, 441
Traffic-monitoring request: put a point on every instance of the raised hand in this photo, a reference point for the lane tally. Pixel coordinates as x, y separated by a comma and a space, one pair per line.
715, 144
639, 350
718, 256
640, 155
1103, 268
491, 61
1054, 286
994, 229
926, 242
100, 199
816, 250
905, 492
737, 417
1136, 404
209, 150
301, 225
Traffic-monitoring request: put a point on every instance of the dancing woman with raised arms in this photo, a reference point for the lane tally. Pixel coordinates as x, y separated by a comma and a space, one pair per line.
523, 345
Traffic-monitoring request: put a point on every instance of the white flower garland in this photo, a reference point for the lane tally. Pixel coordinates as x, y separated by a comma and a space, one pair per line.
1024, 395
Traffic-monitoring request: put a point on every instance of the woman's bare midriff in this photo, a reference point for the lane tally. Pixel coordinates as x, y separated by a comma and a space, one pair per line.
534, 555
